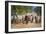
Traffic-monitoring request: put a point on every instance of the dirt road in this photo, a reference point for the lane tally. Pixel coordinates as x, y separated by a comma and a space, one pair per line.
29, 25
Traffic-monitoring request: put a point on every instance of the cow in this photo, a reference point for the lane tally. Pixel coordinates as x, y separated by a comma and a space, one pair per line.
28, 18
23, 19
13, 19
37, 19
19, 18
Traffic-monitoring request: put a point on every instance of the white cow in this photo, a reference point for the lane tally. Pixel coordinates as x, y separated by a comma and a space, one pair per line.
19, 18
14, 18
39, 19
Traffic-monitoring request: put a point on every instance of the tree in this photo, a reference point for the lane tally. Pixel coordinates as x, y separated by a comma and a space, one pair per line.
20, 10
38, 10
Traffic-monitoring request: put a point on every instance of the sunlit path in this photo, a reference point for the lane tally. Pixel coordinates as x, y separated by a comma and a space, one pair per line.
29, 25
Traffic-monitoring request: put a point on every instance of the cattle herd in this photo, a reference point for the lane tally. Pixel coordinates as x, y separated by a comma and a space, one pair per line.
26, 19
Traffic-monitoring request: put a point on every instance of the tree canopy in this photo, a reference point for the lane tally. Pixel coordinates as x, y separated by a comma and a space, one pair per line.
38, 10
20, 10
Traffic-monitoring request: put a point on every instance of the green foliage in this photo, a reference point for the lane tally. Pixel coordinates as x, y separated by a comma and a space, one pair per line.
20, 10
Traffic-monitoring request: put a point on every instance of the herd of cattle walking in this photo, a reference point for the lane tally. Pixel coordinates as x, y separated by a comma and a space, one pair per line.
26, 19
